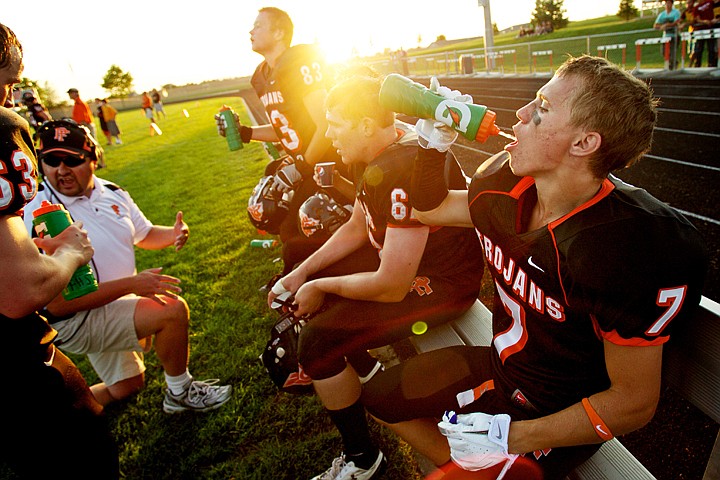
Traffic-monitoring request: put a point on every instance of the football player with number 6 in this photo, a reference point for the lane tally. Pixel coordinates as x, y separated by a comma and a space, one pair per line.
420, 276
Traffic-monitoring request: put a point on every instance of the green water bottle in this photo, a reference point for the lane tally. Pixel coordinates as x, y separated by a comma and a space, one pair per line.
258, 243
51, 219
402, 95
232, 134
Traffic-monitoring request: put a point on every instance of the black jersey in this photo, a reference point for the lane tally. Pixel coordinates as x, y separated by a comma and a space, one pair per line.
299, 71
382, 191
18, 164
623, 267
18, 173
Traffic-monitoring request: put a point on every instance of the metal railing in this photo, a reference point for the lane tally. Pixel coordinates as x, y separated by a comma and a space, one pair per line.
529, 57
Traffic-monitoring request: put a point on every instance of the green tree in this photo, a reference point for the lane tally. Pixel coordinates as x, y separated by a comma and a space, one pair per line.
549, 10
627, 10
117, 82
496, 30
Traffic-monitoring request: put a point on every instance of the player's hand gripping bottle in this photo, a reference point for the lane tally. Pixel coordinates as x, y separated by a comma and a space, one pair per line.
51, 219
232, 134
402, 95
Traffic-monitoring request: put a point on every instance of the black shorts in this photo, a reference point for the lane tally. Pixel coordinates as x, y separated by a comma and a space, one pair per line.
346, 327
427, 385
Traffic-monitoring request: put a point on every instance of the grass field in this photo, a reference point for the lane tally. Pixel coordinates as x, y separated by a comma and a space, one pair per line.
259, 433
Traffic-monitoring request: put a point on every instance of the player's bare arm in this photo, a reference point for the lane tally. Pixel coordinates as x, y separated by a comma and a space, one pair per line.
402, 252
347, 239
627, 405
31, 279
452, 212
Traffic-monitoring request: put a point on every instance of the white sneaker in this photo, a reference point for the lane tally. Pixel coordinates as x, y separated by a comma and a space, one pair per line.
342, 470
200, 396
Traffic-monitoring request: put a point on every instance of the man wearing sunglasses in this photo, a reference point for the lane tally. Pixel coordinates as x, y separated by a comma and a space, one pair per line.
116, 323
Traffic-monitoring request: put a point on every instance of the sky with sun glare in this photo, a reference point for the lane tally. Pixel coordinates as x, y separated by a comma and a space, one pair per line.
159, 42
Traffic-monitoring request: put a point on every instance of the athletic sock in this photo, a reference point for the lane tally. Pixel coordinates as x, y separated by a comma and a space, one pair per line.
352, 425
179, 383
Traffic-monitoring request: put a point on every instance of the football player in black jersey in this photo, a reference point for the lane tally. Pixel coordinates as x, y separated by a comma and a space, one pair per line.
421, 276
292, 82
51, 423
592, 276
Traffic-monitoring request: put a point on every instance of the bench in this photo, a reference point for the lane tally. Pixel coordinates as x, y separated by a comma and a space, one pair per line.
691, 365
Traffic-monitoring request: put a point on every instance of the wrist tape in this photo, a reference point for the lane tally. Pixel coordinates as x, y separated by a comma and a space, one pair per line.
599, 426
245, 134
278, 288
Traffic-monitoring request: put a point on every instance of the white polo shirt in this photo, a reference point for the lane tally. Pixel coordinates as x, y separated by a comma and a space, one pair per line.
112, 219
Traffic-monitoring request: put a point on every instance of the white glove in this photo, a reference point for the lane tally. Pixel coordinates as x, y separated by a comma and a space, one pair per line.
434, 134
287, 178
478, 440
221, 124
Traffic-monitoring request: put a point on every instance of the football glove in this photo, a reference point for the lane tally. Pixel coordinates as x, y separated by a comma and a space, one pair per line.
478, 440
287, 178
434, 134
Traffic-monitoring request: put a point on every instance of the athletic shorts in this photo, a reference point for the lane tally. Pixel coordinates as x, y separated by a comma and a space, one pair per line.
158, 107
113, 128
346, 327
107, 336
149, 113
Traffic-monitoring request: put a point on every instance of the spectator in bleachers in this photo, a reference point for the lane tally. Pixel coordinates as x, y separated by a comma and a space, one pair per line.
421, 276
687, 19
582, 304
704, 17
668, 21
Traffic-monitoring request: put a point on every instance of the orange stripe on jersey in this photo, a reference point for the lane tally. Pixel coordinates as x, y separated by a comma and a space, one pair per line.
614, 337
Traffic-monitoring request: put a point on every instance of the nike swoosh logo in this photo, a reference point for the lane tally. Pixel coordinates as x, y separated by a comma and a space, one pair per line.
498, 432
599, 429
533, 264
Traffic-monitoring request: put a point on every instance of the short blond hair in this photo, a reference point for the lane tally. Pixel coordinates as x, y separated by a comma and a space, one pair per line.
358, 97
615, 104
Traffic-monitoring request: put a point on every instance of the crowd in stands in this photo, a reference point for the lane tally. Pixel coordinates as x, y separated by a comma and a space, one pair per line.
539, 29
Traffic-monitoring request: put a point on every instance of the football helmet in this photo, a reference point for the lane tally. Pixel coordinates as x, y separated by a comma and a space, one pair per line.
320, 214
68, 137
280, 356
267, 207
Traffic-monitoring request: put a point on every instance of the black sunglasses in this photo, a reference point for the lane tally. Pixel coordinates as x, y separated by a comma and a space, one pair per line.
69, 161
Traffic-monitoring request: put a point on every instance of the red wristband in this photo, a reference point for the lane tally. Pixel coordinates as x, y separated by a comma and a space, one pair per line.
599, 426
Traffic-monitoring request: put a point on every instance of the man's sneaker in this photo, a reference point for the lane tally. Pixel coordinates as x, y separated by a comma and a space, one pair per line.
342, 470
200, 396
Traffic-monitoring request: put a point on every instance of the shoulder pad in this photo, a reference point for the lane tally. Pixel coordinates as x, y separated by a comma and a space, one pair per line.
492, 164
